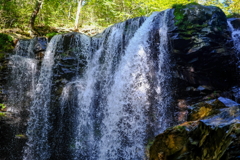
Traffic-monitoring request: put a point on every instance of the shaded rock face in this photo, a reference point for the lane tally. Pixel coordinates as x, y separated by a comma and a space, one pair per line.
13, 122
202, 47
207, 139
204, 55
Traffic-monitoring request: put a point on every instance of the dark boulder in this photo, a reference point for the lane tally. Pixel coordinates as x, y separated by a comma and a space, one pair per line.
202, 47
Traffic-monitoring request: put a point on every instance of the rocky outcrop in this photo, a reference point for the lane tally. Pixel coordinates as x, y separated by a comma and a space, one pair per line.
202, 47
212, 138
205, 73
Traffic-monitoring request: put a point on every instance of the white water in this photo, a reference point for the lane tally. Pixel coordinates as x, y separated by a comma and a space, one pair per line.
236, 42
25, 48
21, 83
114, 105
115, 111
38, 126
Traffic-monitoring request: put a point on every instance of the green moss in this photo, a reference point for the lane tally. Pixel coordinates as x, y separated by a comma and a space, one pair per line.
180, 17
2, 106
50, 35
149, 144
2, 114
20, 136
180, 128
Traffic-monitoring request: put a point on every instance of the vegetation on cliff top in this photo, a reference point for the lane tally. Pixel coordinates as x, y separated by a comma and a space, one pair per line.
93, 14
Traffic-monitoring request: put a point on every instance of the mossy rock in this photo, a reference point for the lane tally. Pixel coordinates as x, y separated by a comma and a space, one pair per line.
204, 109
192, 140
195, 16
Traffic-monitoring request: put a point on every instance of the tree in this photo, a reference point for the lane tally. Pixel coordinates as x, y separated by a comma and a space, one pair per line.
35, 12
78, 13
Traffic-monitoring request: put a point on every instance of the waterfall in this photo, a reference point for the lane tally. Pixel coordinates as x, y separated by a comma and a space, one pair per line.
38, 125
126, 120
21, 82
236, 39
20, 88
123, 96
22, 78
104, 97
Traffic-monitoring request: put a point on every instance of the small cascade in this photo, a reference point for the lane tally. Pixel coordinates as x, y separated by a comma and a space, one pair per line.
21, 82
38, 126
24, 48
22, 77
20, 86
236, 42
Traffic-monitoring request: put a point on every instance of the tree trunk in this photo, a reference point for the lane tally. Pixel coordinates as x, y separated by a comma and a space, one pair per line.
35, 12
78, 13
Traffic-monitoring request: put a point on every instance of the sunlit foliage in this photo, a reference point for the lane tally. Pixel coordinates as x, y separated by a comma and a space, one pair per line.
62, 13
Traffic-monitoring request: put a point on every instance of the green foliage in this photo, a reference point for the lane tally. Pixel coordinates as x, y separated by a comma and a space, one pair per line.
2, 106
6, 43
180, 128
179, 13
2, 114
95, 13
181, 6
50, 35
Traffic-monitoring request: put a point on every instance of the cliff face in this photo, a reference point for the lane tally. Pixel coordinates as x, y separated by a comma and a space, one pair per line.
206, 68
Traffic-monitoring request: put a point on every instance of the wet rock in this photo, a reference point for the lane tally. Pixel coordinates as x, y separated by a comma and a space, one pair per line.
204, 109
40, 44
235, 23
208, 139
12, 142
228, 102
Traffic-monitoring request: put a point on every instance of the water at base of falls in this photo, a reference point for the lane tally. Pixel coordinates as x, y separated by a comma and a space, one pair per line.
116, 106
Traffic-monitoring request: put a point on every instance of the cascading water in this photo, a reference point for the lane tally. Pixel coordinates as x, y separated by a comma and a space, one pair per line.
119, 104
20, 87
236, 42
22, 82
38, 125
65, 126
126, 114
103, 97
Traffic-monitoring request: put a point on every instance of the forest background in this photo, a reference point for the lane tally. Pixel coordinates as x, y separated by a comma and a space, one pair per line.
47, 17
